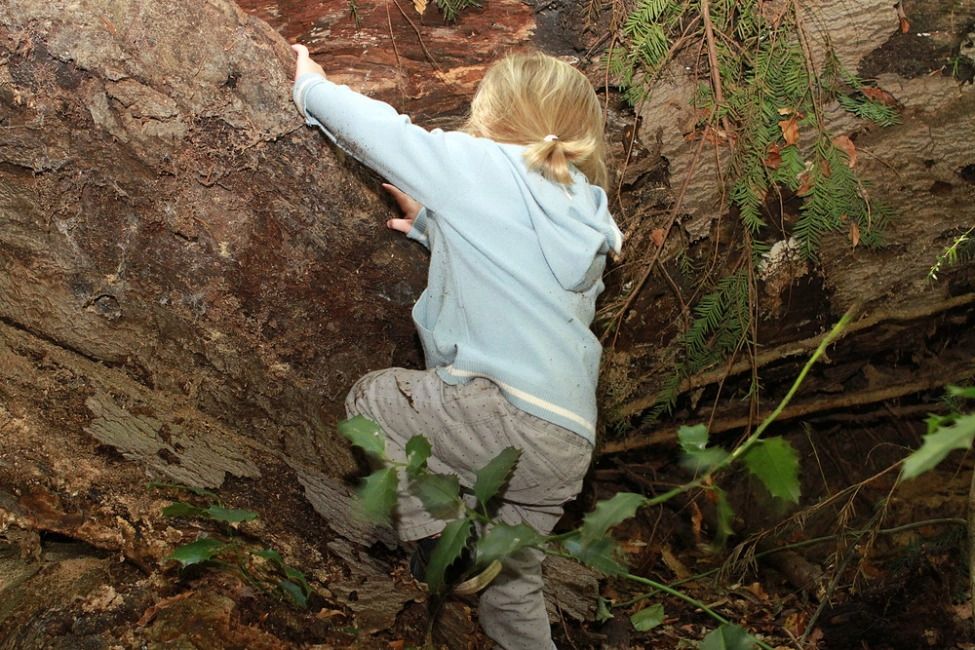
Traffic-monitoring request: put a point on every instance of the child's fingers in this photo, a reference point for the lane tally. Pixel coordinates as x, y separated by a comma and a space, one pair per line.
401, 225
300, 50
409, 205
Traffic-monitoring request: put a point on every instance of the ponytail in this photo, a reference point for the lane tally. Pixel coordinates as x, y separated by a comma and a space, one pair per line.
548, 106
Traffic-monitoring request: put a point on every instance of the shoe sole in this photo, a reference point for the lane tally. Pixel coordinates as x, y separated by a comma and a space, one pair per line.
480, 581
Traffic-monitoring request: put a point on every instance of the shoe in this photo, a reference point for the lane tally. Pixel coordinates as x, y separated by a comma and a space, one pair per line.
458, 577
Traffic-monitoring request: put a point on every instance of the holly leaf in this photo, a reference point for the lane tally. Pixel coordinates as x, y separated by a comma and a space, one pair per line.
440, 494
180, 509
648, 617
270, 554
201, 550
694, 440
937, 445
418, 450
377, 493
503, 539
365, 434
453, 539
967, 392
230, 515
490, 478
296, 593
609, 513
775, 463
728, 637
602, 554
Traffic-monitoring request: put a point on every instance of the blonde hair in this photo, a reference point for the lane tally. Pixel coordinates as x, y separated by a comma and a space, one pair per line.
536, 100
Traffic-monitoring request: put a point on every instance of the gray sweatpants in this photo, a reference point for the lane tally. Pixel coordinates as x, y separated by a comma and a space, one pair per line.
468, 425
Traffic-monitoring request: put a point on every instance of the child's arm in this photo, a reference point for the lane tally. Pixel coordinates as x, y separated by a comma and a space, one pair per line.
421, 163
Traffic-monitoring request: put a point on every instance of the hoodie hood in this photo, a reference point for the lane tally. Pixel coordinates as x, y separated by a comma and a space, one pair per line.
574, 227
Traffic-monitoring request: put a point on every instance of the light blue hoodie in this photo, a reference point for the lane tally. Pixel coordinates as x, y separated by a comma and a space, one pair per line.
516, 261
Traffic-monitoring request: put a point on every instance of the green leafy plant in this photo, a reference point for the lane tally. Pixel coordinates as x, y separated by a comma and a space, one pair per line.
765, 87
213, 550
772, 460
946, 433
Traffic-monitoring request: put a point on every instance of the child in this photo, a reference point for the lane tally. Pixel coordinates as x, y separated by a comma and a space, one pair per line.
518, 230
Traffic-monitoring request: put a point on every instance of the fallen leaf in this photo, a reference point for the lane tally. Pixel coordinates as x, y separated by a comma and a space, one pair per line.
878, 95
756, 590
774, 158
329, 613
844, 143
902, 15
854, 233
964, 611
420, 6
675, 565
696, 518
796, 623
399, 644
790, 130
151, 613
657, 236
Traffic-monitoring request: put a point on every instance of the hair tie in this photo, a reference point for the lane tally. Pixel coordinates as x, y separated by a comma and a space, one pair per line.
551, 138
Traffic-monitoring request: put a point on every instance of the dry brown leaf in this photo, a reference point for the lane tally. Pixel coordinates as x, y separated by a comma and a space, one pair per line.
657, 236
847, 145
756, 590
790, 130
420, 6
902, 15
879, 95
399, 644
854, 233
675, 565
774, 158
697, 517
964, 611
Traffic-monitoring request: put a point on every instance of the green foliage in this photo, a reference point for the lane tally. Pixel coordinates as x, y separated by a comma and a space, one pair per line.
365, 434
451, 8
440, 494
418, 451
728, 637
504, 539
697, 456
945, 434
453, 539
761, 95
721, 323
608, 514
962, 249
202, 550
648, 617
491, 477
775, 463
377, 493
208, 549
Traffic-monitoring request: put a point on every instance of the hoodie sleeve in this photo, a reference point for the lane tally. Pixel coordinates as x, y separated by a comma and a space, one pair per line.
419, 162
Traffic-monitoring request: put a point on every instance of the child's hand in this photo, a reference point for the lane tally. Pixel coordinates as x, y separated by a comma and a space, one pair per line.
304, 64
410, 207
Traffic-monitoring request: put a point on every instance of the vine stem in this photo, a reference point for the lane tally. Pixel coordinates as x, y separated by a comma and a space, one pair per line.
945, 521
749, 442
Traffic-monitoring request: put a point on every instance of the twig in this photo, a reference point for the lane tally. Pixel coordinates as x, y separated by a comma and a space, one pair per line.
901, 314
